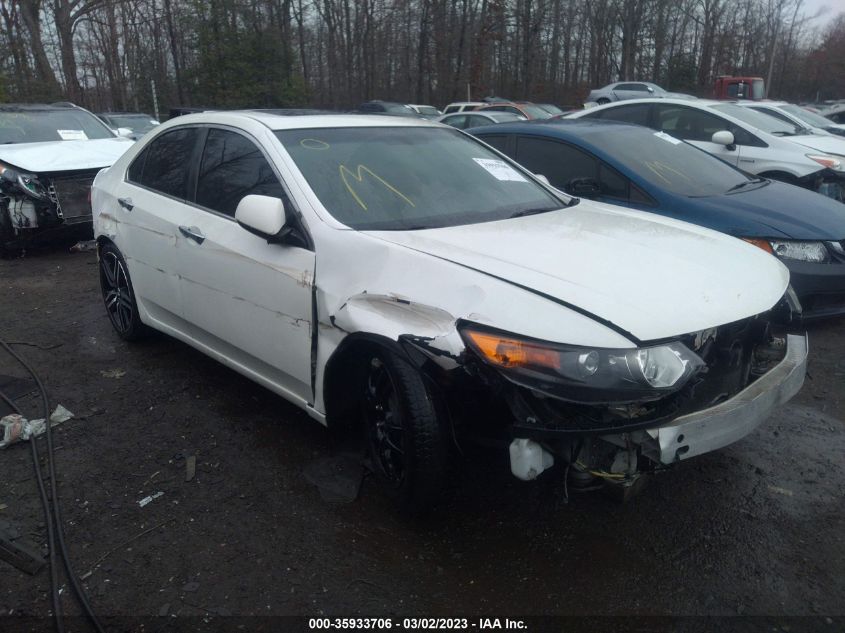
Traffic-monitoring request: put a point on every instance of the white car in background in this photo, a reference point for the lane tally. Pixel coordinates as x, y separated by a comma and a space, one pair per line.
401, 276
797, 115
756, 142
463, 106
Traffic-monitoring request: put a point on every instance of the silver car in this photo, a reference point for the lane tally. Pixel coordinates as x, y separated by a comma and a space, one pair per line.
623, 90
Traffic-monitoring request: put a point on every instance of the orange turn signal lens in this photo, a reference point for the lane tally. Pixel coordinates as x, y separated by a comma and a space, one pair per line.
759, 243
508, 352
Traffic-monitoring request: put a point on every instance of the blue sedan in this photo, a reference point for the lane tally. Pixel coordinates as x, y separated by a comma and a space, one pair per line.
635, 166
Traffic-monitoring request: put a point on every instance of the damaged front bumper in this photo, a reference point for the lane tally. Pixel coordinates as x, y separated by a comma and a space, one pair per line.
725, 423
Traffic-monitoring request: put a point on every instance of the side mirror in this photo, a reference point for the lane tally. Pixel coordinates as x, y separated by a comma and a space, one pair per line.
542, 179
263, 216
649, 88
124, 132
723, 137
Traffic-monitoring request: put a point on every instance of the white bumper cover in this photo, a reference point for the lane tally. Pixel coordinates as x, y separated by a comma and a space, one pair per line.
729, 421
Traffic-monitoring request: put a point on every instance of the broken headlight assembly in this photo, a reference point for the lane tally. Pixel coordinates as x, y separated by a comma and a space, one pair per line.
585, 375
12, 181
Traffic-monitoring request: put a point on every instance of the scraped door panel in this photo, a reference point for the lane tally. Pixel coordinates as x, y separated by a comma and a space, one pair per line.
250, 301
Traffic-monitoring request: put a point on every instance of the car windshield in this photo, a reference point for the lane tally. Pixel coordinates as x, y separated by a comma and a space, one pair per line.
33, 126
428, 110
761, 121
405, 178
670, 164
135, 122
810, 118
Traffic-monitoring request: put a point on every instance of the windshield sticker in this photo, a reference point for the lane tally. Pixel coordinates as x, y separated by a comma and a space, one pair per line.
346, 173
73, 135
500, 170
313, 143
667, 137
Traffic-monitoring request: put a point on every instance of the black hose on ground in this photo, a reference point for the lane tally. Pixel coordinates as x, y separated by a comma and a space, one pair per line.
48, 520
57, 513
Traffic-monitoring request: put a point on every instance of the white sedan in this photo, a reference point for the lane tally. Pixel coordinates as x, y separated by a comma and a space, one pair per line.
402, 276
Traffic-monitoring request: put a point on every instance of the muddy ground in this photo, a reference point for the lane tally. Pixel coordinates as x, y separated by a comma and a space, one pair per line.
754, 530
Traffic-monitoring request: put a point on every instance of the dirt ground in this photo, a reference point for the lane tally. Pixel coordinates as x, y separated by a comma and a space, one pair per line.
756, 529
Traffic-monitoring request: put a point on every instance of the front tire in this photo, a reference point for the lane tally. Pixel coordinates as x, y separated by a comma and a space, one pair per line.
405, 435
118, 295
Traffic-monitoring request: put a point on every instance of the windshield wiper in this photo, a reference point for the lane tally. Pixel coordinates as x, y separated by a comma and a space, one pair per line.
524, 212
753, 181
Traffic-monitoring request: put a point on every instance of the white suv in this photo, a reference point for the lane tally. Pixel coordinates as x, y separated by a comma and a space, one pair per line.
755, 142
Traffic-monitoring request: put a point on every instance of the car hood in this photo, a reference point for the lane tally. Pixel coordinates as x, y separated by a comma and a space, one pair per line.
650, 277
822, 143
773, 210
53, 156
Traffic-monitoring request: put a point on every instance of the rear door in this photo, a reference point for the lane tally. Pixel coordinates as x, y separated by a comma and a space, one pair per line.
148, 208
246, 300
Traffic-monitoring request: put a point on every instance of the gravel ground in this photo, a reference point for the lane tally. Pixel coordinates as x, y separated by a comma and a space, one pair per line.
753, 530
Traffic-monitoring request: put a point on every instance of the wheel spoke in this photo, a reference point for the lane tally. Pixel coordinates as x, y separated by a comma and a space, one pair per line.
111, 299
107, 273
125, 302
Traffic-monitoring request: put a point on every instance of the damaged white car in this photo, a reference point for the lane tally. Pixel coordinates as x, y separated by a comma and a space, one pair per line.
403, 276
49, 155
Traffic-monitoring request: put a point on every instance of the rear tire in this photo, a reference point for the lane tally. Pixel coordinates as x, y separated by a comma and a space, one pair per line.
118, 295
405, 437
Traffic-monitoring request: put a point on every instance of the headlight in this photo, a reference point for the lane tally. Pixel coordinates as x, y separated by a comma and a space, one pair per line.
31, 186
585, 375
831, 162
815, 252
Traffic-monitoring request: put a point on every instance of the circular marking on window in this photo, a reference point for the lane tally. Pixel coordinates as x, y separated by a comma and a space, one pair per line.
313, 143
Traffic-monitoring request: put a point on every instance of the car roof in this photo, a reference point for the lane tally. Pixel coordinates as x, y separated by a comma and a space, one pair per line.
305, 121
35, 107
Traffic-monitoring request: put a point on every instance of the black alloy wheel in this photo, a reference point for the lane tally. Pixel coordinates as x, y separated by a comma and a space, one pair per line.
118, 295
406, 438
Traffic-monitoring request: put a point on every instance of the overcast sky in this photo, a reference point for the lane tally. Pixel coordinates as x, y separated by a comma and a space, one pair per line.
827, 10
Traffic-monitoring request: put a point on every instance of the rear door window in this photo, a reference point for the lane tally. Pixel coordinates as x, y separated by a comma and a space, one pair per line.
165, 164
556, 160
232, 167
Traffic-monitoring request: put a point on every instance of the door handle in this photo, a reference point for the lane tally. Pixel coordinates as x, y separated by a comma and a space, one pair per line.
126, 203
193, 233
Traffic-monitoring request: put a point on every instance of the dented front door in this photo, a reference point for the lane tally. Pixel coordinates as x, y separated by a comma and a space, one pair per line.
245, 299
249, 301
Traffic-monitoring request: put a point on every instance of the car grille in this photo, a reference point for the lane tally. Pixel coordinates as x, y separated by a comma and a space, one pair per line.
72, 195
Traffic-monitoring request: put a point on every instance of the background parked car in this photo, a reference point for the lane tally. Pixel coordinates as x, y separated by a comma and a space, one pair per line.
749, 140
387, 107
464, 120
796, 115
636, 167
528, 110
425, 111
624, 90
49, 155
136, 122
463, 106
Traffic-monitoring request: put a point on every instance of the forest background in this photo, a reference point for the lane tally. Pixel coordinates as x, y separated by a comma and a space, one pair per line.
114, 54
